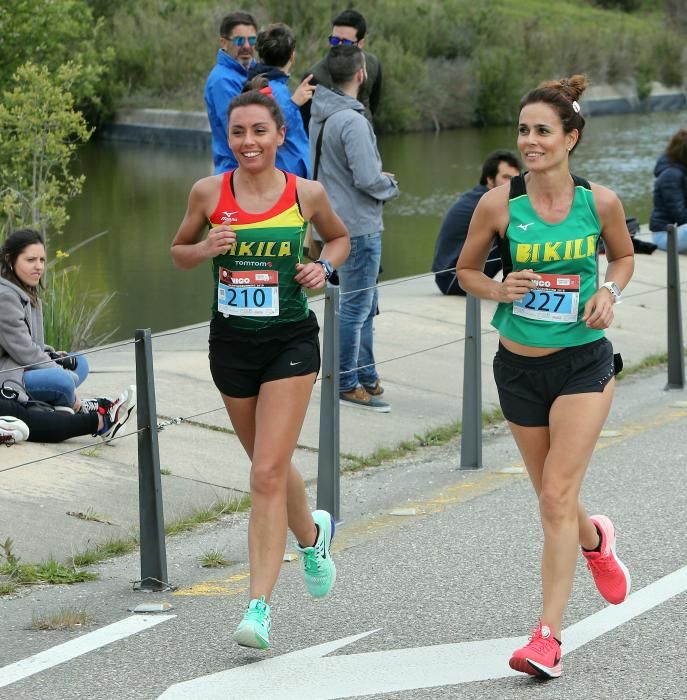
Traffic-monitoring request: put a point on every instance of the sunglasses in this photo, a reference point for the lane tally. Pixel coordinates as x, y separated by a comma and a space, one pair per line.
241, 40
336, 41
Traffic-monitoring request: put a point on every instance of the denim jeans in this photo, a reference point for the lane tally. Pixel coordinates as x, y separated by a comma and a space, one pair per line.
661, 239
357, 311
55, 385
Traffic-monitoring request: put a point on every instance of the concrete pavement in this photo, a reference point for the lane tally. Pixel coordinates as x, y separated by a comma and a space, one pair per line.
204, 459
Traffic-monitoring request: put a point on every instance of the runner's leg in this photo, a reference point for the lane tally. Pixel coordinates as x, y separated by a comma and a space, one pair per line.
268, 426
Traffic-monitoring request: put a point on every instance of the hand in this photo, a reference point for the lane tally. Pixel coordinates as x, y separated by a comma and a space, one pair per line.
311, 275
517, 284
219, 240
66, 361
598, 311
303, 92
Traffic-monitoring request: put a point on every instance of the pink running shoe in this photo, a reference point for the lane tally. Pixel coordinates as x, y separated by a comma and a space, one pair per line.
610, 575
541, 656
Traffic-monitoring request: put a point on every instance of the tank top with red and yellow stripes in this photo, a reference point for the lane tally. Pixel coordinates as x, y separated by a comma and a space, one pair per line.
254, 283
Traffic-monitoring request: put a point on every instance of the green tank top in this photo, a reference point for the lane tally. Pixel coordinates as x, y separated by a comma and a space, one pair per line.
254, 284
565, 254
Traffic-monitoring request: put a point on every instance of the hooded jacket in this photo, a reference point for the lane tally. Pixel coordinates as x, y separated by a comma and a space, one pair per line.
21, 333
225, 81
293, 155
670, 194
350, 167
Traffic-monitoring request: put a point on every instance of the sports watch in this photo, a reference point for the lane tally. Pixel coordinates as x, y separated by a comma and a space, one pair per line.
326, 266
614, 289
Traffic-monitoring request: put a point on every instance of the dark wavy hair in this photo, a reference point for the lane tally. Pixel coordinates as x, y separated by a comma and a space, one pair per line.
677, 147
13, 246
276, 44
562, 95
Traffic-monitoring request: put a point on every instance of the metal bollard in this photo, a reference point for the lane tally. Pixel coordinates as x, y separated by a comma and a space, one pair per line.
471, 440
328, 457
676, 353
152, 525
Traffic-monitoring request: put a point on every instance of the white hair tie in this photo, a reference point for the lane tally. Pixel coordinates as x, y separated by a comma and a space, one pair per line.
576, 106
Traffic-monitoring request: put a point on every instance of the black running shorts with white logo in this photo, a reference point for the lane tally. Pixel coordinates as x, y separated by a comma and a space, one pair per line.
242, 360
528, 386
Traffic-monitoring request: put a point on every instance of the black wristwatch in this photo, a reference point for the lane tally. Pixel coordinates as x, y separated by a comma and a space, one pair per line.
326, 266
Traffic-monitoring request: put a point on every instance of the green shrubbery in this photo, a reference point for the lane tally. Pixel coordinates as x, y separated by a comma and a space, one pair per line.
446, 63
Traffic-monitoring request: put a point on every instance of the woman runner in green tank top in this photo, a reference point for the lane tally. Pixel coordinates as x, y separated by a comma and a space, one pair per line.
554, 369
260, 318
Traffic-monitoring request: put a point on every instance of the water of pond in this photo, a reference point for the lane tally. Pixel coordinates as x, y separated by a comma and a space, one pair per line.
138, 194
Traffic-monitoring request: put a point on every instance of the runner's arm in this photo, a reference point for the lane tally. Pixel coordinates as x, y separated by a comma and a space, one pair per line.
337, 244
189, 248
598, 311
490, 219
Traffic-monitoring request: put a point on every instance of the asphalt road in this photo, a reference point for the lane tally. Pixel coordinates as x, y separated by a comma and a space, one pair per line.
463, 569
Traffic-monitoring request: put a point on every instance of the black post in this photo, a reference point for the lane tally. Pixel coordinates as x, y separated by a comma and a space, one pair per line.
328, 456
152, 524
676, 353
471, 440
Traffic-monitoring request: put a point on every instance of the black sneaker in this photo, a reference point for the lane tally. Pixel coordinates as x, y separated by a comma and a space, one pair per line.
92, 405
361, 398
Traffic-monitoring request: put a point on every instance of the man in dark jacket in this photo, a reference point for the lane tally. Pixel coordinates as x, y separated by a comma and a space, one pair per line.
498, 169
670, 193
349, 29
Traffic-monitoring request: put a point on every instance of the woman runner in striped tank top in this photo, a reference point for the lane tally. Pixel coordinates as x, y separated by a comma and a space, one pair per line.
264, 350
554, 368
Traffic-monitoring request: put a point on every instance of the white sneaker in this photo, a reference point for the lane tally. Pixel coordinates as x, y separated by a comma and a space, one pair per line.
117, 413
12, 430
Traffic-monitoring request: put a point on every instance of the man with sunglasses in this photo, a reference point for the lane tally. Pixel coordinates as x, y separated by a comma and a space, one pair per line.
238, 35
349, 29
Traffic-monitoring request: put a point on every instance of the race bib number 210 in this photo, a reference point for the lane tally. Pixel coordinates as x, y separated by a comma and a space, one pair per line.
556, 298
248, 292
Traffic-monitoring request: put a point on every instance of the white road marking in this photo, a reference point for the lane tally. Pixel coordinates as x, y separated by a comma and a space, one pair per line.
305, 673
77, 647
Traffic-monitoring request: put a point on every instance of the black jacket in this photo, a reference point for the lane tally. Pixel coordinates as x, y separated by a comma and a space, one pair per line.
670, 194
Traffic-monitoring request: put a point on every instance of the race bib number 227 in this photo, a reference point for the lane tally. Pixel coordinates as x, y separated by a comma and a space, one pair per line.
556, 298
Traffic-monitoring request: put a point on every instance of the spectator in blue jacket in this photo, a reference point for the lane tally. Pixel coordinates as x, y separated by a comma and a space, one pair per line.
670, 193
238, 36
498, 169
276, 48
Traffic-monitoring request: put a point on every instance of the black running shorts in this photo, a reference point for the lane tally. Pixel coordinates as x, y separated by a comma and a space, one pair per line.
528, 386
240, 360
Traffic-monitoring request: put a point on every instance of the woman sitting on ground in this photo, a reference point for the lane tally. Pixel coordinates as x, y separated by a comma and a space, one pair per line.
670, 193
30, 369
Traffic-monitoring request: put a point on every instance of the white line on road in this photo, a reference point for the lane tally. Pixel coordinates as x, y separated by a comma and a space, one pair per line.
305, 673
79, 646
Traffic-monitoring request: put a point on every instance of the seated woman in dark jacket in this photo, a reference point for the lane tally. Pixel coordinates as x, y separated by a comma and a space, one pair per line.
670, 193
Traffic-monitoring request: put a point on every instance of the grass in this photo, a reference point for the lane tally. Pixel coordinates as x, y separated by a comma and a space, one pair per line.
112, 547
7, 588
64, 618
432, 438
207, 514
165, 472
214, 559
90, 515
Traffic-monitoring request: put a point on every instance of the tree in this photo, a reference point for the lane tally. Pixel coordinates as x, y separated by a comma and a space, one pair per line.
50, 33
39, 133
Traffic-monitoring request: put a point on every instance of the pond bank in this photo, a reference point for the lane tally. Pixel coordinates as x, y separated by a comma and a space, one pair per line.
191, 129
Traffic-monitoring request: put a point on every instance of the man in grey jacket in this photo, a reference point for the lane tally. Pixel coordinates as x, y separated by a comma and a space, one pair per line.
350, 168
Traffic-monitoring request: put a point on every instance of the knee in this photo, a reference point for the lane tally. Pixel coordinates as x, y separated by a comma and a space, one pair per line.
268, 479
557, 505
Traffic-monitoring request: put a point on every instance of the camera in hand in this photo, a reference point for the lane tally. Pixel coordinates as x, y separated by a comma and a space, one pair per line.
66, 361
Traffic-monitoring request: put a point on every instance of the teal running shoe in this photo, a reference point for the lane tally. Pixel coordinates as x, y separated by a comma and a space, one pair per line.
254, 630
319, 571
